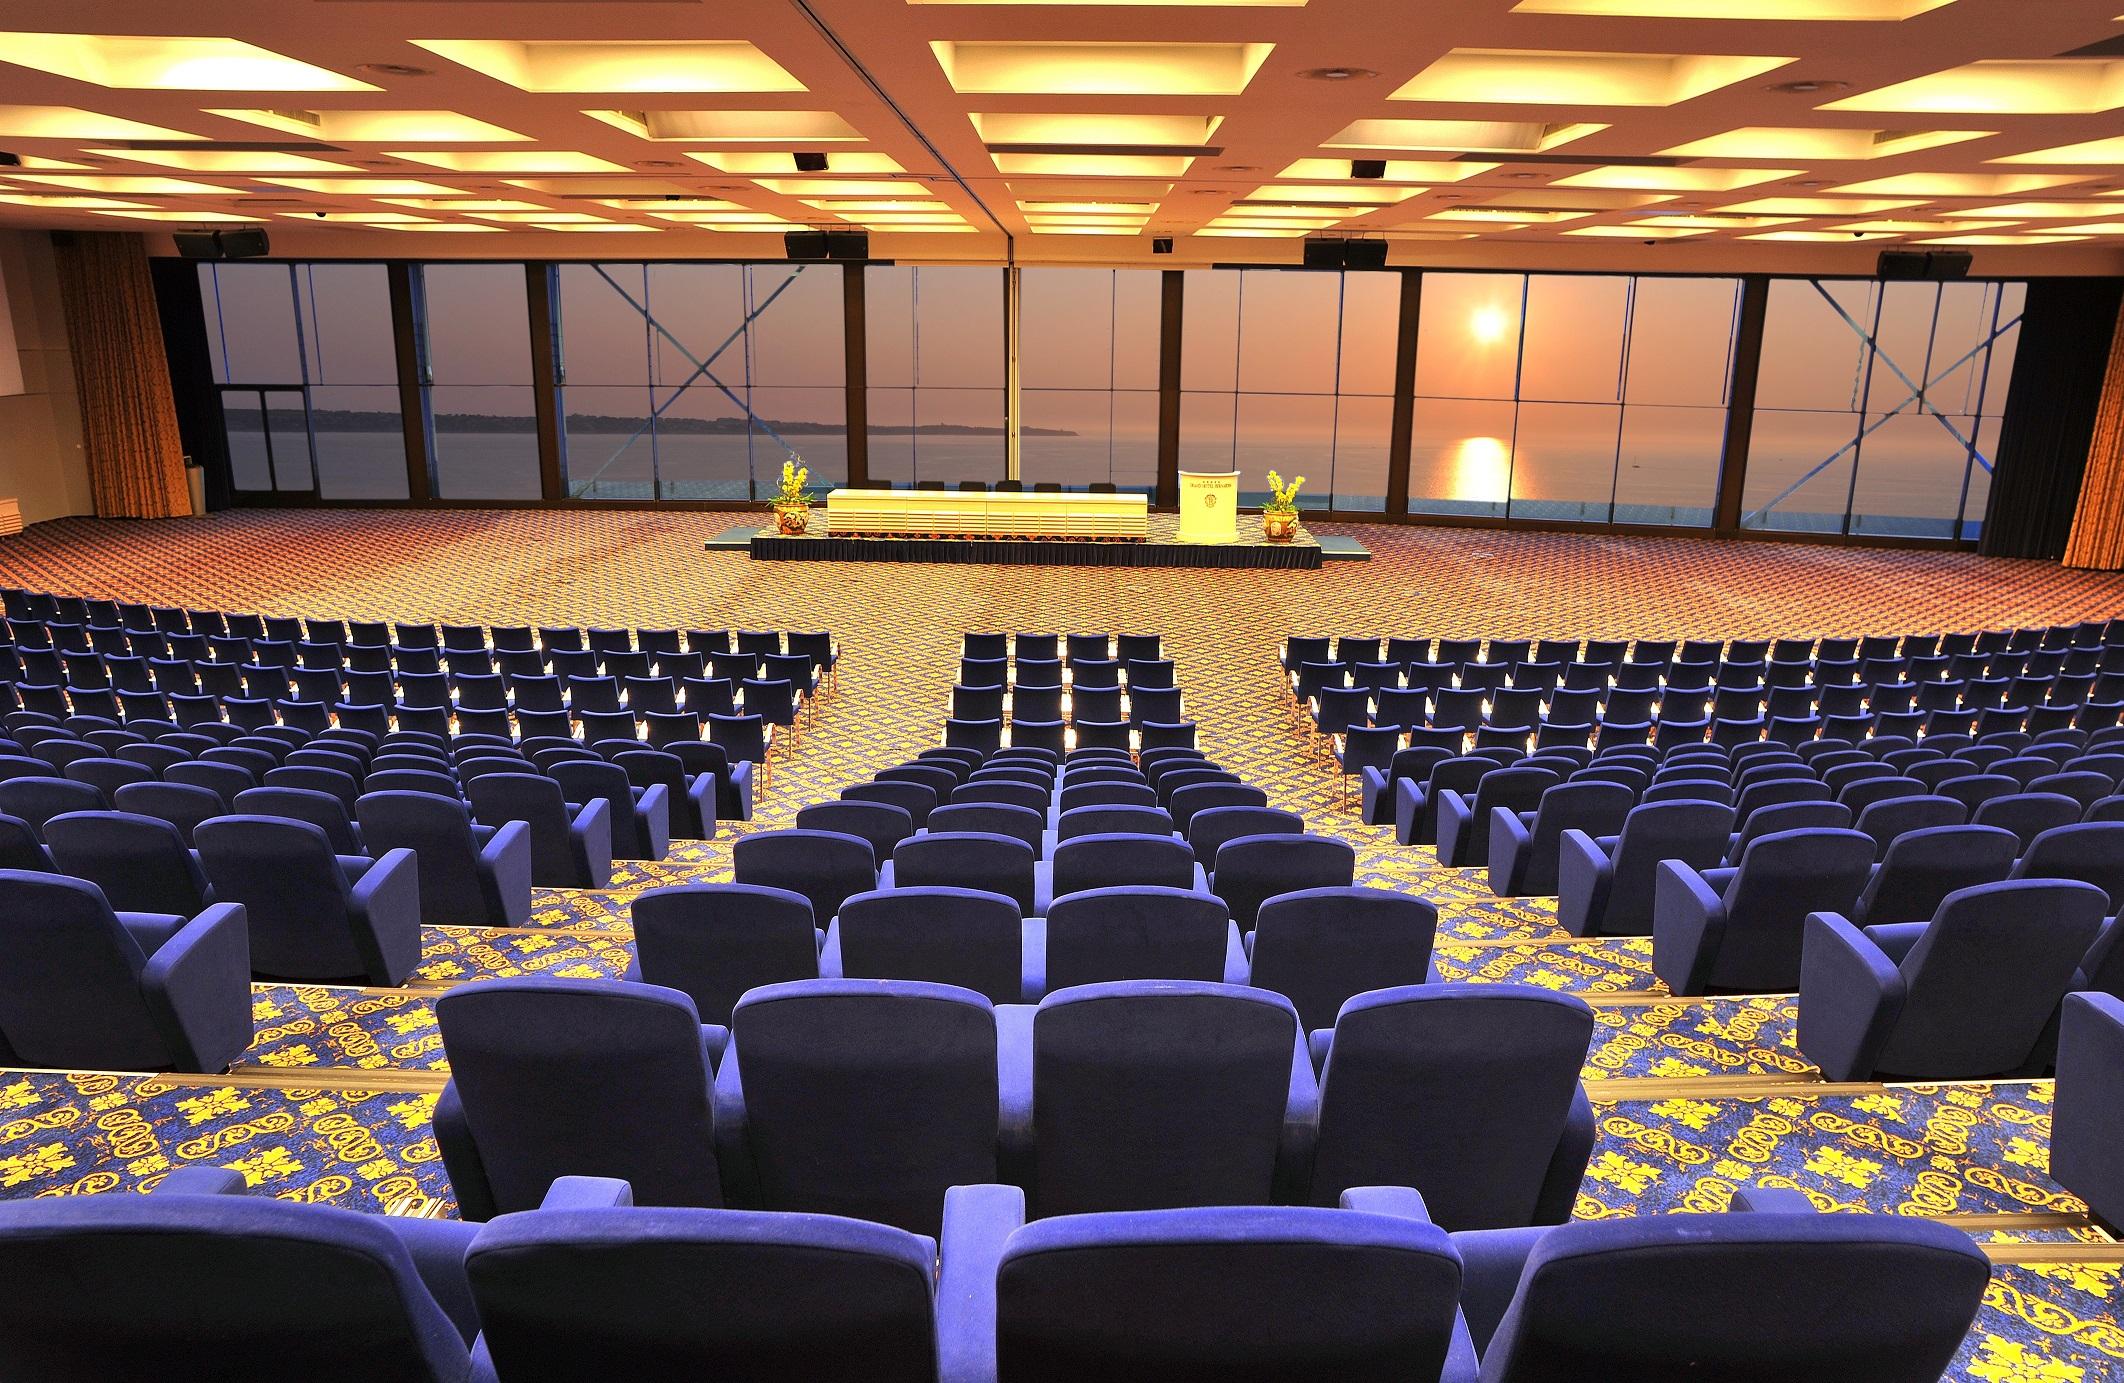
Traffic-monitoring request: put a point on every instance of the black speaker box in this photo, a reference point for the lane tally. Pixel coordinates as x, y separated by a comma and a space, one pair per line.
1323, 254
1364, 254
804, 244
852, 244
250, 242
196, 244
1367, 167
810, 162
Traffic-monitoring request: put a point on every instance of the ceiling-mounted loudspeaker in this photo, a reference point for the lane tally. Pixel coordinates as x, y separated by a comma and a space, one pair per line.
1368, 168
196, 245
1161, 244
248, 243
804, 244
850, 244
810, 163
1364, 254
1922, 264
1323, 254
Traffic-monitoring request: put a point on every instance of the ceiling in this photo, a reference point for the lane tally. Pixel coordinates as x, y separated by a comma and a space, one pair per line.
1785, 135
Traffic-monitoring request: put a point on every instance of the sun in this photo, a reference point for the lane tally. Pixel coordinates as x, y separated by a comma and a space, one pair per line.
1489, 325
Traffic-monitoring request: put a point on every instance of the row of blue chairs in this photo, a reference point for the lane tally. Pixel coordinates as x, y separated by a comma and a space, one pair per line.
1074, 648
591, 1284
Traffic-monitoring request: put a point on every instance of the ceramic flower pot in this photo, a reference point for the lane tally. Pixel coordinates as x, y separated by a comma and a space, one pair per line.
1279, 528
791, 519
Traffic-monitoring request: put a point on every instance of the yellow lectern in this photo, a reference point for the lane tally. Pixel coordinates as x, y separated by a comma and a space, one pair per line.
1209, 506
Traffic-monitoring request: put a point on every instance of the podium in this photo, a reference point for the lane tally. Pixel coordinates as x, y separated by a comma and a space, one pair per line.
1209, 506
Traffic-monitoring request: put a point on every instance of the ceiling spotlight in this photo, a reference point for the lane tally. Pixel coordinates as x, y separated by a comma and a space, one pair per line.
1812, 182
1337, 74
809, 162
1808, 87
1238, 168
659, 163
1367, 168
391, 69
1522, 176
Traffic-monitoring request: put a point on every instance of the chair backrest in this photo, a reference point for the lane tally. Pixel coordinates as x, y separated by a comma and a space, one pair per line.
292, 888
1783, 877
1983, 981
967, 859
1922, 867
824, 866
1597, 808
2091, 852
942, 935
713, 942
994, 818
1186, 799
580, 1078
38, 800
140, 862
1515, 789
1252, 869
614, 1292
1208, 830
1461, 1091
880, 823
1247, 1294
1101, 861
1157, 1093
534, 799
1879, 1298
1319, 946
867, 1099
583, 780
1886, 820
179, 804
231, 1276
70, 978
438, 830
1113, 820
1000, 791
2027, 814
1696, 833
1099, 935
918, 800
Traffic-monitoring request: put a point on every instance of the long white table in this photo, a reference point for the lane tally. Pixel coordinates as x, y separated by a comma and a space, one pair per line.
990, 514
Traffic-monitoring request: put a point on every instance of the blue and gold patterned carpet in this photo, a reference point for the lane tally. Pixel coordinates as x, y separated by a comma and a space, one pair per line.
1693, 1098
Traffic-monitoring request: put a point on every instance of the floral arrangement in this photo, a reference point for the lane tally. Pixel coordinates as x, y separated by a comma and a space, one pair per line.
1283, 499
794, 477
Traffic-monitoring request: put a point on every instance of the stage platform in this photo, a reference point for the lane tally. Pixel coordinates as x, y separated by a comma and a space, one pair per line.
1162, 549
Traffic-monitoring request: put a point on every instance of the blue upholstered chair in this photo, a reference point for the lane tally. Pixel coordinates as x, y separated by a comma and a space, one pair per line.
1965, 996
1208, 830
1739, 929
1319, 946
1363, 1294
992, 818
1525, 846
1250, 870
858, 1097
965, 937
969, 859
1469, 1093
314, 915
591, 1286
571, 843
1464, 820
140, 862
1154, 1093
825, 867
2091, 852
197, 1280
1605, 885
83, 986
1767, 1291
641, 817
1104, 861
38, 800
713, 942
1417, 802
1891, 817
1923, 866
1377, 788
321, 809
556, 1078
1100, 935
2087, 1119
880, 823
470, 875
692, 796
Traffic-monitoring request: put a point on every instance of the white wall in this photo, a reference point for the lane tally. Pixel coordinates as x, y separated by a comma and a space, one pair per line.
41, 459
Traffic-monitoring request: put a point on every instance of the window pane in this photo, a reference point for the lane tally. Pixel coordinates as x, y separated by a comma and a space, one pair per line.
1563, 461
1681, 341
289, 428
813, 422
1460, 457
1667, 469
1363, 427
360, 440
1572, 351
1292, 434
607, 403
940, 330
1910, 470
1811, 357
243, 422
1371, 329
1209, 337
1288, 324
346, 323
1066, 328
1206, 422
611, 441
250, 320
796, 337
1467, 341
481, 401
1799, 471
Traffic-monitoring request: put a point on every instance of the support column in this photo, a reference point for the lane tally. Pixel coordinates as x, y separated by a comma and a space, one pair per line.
1013, 401
1171, 290
1740, 403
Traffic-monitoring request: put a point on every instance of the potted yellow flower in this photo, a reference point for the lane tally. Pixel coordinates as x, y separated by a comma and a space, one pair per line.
1279, 517
792, 511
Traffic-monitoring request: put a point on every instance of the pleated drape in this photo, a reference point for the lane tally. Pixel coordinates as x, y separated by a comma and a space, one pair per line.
2041, 456
2098, 524
128, 420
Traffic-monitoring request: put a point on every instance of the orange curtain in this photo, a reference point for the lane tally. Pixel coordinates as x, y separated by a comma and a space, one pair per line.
128, 420
2098, 524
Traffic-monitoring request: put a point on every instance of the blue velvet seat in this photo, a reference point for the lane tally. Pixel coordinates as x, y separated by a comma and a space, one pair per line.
858, 1097
641, 817
2087, 1118
1248, 871
1923, 866
1525, 846
692, 797
571, 843
1964, 996
37, 800
969, 859
1155, 1093
84, 986
1605, 885
556, 1078
1378, 787
470, 875
991, 818
1208, 830
880, 823
1887, 819
1470, 1093
1102, 861
314, 915
823, 866
1099, 935
1739, 929
1464, 821
1769, 1291
1417, 803
713, 942
1319, 946
591, 1286
966, 937
197, 1283
140, 862
1202, 790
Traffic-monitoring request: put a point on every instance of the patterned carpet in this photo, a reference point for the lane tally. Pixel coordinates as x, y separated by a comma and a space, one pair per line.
1730, 1102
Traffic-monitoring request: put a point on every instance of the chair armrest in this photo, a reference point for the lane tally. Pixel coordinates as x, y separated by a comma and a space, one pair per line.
1301, 1124
1688, 928
384, 906
1896, 938
739, 784
1567, 1166
1511, 846
2087, 1120
1491, 1262
978, 1223
587, 1193
1237, 963
1770, 1200
1850, 998
830, 953
1319, 1042
505, 873
1032, 960
461, 1159
1402, 1202
1376, 796
653, 809
1584, 875
1455, 822
1014, 1091
733, 1142
1408, 811
197, 988
199, 1179
590, 836
701, 789
715, 1040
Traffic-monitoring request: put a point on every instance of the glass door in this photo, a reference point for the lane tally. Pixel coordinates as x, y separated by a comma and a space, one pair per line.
268, 432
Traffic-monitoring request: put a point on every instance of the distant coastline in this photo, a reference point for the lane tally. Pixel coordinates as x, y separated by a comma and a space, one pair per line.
356, 420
